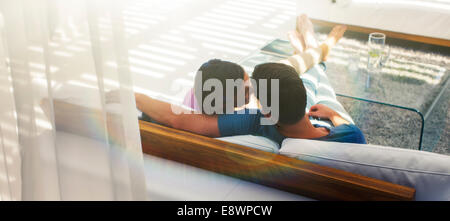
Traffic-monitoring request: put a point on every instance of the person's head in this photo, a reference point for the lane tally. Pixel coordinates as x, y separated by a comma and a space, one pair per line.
221, 71
292, 93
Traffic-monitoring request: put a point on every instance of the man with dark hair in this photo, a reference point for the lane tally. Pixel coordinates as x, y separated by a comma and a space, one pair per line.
293, 121
292, 93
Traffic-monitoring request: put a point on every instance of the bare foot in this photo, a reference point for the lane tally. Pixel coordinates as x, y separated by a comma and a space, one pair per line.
336, 33
297, 41
306, 29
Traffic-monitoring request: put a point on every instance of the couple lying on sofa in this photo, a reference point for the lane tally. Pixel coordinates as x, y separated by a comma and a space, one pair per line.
302, 97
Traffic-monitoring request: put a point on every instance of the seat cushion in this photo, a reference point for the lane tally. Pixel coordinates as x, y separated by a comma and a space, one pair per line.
428, 173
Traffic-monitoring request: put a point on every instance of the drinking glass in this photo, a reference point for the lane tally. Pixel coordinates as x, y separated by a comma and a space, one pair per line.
376, 52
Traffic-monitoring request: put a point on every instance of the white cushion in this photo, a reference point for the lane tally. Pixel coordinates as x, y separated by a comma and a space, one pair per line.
257, 142
428, 173
169, 180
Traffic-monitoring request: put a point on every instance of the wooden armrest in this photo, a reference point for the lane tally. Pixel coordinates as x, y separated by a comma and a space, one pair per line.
273, 170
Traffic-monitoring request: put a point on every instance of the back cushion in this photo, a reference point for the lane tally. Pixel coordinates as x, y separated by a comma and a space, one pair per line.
257, 142
428, 173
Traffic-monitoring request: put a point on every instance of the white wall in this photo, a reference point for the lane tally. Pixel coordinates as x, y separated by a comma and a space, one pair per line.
420, 17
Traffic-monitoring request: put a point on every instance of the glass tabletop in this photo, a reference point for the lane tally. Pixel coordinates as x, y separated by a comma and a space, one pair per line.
415, 76
409, 78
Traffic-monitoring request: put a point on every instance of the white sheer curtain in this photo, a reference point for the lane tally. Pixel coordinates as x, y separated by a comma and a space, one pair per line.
59, 140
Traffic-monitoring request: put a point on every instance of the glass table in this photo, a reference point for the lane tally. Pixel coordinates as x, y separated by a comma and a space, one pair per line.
393, 106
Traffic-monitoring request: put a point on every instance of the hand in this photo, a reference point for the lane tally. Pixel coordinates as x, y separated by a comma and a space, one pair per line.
322, 111
141, 99
112, 97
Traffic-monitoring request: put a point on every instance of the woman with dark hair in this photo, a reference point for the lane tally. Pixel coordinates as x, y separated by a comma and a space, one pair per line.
223, 72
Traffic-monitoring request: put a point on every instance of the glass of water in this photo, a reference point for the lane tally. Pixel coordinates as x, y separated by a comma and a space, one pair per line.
376, 56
